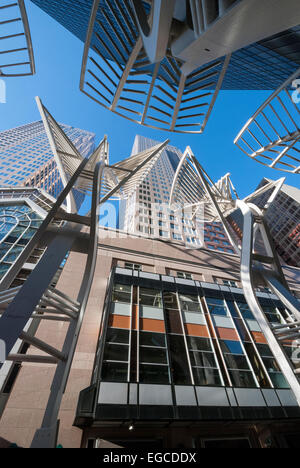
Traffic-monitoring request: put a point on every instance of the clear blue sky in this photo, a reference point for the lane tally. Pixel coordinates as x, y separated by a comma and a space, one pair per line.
58, 57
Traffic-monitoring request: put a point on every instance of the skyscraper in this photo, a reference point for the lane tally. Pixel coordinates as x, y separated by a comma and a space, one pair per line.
147, 209
283, 217
26, 157
273, 58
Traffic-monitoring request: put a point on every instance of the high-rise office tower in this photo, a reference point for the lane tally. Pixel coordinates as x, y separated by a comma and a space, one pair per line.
274, 57
147, 209
283, 217
26, 157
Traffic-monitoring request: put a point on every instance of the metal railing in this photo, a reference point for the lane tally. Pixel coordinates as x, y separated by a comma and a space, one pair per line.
117, 74
272, 135
16, 56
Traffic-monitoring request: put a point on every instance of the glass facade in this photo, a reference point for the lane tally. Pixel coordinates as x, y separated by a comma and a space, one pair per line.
170, 333
18, 224
262, 65
26, 157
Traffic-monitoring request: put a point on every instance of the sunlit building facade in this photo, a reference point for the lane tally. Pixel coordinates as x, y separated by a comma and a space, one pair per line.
148, 211
283, 217
26, 157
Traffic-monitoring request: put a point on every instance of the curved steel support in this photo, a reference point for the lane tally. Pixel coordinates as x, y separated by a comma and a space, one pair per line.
46, 436
247, 272
195, 187
119, 75
155, 36
27, 35
11, 274
54, 133
14, 43
272, 135
216, 206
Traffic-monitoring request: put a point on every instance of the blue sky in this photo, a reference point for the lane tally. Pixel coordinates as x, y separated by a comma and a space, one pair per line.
58, 57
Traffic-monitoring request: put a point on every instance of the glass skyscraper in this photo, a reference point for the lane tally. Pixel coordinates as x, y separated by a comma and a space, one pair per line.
283, 217
262, 65
147, 209
26, 157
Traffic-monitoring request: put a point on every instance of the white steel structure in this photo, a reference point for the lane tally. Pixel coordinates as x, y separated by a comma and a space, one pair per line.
259, 260
16, 57
192, 187
37, 298
153, 91
164, 69
148, 210
272, 135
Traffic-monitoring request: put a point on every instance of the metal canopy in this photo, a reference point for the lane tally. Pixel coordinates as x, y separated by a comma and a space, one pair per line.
156, 92
162, 63
16, 56
272, 135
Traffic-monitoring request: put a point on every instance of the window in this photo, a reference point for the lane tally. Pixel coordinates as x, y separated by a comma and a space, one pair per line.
170, 300
272, 367
150, 297
114, 371
116, 352
203, 361
117, 335
153, 358
183, 274
189, 303
115, 359
179, 363
272, 314
237, 364
121, 293
230, 283
133, 266
245, 311
163, 233
216, 306
152, 339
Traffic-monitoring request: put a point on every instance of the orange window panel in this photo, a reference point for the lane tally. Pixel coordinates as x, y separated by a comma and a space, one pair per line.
196, 330
152, 325
259, 337
119, 321
227, 334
